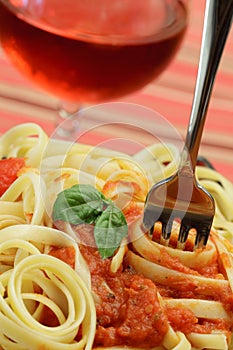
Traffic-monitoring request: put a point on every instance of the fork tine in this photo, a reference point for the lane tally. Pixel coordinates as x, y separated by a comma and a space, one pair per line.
195, 208
183, 233
152, 230
167, 229
203, 231
151, 216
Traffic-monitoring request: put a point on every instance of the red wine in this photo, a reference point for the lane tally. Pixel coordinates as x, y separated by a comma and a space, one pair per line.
78, 70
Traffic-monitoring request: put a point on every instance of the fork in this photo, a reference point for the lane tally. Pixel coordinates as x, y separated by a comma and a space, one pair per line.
180, 196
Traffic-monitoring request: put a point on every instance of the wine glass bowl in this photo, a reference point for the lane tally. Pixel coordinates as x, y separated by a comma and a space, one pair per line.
83, 51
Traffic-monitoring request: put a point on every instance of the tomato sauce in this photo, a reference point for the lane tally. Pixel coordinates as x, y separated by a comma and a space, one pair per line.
9, 169
187, 289
128, 310
127, 306
66, 254
173, 263
181, 319
132, 212
184, 320
119, 297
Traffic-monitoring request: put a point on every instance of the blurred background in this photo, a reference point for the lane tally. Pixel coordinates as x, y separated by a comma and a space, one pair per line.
170, 95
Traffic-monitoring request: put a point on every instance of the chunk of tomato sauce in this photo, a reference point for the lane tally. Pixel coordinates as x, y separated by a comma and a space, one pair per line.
128, 310
185, 288
9, 169
127, 306
183, 320
132, 212
66, 254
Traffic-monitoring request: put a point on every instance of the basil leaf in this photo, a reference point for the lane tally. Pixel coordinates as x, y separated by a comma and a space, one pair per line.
110, 228
84, 204
79, 204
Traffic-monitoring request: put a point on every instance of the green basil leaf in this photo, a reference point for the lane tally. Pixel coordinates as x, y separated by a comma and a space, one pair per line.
79, 204
110, 228
84, 204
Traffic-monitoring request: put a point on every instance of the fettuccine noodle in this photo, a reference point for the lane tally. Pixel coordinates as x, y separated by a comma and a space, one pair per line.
62, 290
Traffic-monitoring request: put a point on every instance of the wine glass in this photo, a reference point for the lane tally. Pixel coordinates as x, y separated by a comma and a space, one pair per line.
91, 51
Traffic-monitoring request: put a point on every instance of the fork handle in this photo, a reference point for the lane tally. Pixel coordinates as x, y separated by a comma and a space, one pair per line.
217, 23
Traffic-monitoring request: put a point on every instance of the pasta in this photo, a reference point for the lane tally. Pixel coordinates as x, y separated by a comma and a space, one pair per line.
57, 292
63, 291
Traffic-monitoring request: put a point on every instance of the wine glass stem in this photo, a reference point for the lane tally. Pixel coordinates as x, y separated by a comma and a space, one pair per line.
66, 126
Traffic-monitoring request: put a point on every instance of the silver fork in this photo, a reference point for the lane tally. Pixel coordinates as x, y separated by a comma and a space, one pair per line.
180, 196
